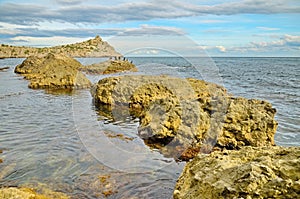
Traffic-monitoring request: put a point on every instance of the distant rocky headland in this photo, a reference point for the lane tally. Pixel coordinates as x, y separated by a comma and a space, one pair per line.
91, 48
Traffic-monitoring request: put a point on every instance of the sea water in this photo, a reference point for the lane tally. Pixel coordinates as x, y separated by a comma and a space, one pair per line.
59, 141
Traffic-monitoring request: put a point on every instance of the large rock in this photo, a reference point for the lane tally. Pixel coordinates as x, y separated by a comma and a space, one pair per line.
184, 116
53, 71
109, 67
266, 172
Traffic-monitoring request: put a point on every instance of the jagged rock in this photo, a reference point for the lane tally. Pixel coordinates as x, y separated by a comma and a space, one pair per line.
251, 172
184, 116
27, 193
53, 71
91, 48
108, 67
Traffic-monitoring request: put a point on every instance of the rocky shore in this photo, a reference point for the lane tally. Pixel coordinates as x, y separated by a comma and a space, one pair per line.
227, 141
91, 48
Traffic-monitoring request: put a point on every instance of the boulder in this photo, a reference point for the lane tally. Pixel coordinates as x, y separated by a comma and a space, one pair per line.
109, 67
53, 71
251, 172
182, 117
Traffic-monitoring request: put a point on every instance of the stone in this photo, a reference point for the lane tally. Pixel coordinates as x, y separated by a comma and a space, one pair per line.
53, 71
182, 117
109, 67
251, 172
27, 193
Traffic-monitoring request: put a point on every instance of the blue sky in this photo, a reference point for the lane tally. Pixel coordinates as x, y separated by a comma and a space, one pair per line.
218, 28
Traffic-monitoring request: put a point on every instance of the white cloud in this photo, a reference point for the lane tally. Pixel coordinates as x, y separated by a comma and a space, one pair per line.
221, 48
137, 11
267, 28
45, 41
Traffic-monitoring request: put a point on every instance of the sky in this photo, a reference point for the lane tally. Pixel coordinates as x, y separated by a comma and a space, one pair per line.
224, 28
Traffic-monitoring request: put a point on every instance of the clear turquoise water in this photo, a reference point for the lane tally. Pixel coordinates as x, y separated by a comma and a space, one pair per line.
58, 139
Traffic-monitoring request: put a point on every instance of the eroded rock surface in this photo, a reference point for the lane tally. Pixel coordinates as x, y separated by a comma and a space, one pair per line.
251, 172
184, 116
27, 193
109, 67
53, 72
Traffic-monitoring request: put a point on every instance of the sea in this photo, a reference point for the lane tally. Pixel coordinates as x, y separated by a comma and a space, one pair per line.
58, 140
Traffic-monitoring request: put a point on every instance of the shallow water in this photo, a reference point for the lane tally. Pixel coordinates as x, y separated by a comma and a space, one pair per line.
57, 140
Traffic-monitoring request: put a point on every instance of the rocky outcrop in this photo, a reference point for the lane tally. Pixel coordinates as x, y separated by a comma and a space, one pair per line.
27, 193
251, 172
108, 67
53, 72
181, 117
91, 48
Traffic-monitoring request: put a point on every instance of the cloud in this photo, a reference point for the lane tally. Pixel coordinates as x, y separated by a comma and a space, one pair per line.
69, 2
44, 41
136, 11
267, 28
31, 36
86, 32
284, 41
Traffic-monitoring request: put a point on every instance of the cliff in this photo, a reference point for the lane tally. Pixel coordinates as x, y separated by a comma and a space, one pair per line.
91, 48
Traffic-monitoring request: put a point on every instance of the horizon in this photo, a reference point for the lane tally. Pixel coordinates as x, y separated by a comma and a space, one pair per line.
228, 28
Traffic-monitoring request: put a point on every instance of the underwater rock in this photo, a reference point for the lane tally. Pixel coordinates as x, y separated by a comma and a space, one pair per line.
251, 172
27, 193
53, 71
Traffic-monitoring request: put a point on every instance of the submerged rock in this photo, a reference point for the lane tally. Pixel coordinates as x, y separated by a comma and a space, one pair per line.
4, 68
27, 193
251, 172
108, 67
181, 117
53, 71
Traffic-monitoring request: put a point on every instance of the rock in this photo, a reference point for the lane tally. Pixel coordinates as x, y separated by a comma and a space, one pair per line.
4, 68
182, 117
91, 48
53, 71
27, 193
251, 172
109, 67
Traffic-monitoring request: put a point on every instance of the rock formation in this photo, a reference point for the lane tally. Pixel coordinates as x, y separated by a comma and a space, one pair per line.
108, 67
53, 72
27, 193
91, 48
181, 117
251, 172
